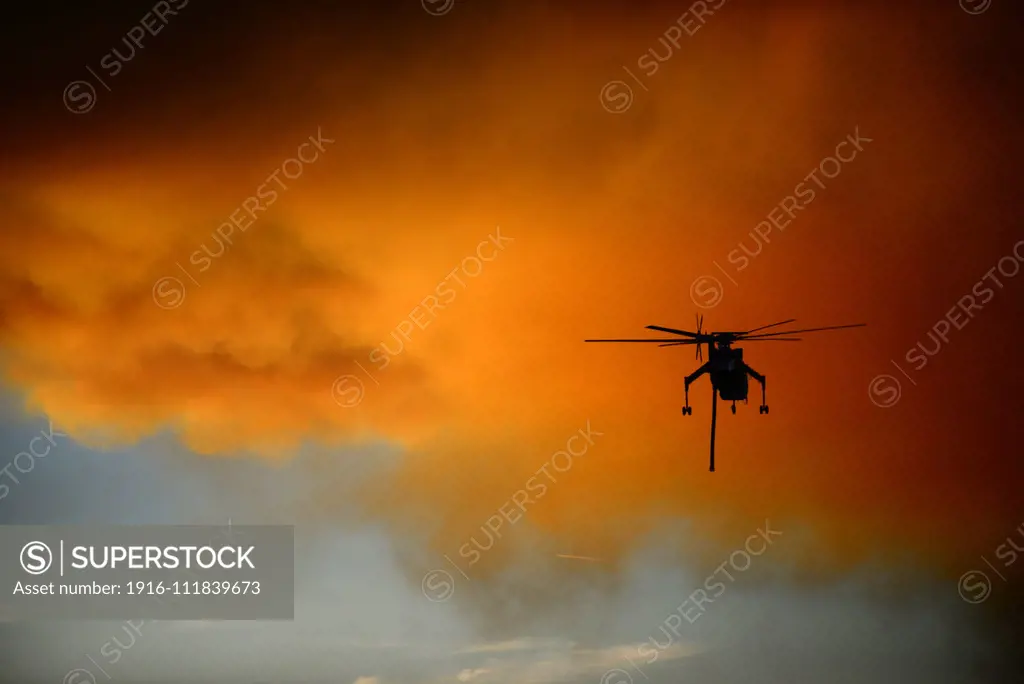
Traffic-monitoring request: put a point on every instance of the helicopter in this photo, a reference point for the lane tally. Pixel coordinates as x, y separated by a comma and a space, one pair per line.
729, 372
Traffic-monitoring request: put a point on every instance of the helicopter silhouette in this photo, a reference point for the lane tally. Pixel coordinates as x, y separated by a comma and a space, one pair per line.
729, 372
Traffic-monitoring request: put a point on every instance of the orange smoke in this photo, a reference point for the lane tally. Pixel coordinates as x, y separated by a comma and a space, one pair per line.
358, 306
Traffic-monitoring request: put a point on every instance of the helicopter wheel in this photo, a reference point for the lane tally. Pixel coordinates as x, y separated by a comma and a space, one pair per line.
763, 408
734, 409
687, 410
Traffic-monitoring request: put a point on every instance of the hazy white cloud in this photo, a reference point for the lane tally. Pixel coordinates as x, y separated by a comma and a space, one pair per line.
520, 644
541, 661
357, 613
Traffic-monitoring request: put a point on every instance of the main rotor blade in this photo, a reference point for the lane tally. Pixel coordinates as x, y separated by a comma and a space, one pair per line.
685, 333
771, 339
770, 325
681, 343
805, 330
663, 339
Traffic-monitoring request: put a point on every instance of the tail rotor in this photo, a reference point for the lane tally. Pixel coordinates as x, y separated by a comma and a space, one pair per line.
700, 321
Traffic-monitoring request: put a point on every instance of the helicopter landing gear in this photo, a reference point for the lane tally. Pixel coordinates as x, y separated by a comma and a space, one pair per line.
734, 408
687, 411
763, 408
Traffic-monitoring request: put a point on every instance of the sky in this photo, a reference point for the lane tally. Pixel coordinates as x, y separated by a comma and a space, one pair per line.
382, 345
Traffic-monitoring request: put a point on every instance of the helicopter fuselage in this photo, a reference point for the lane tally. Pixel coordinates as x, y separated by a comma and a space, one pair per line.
728, 375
